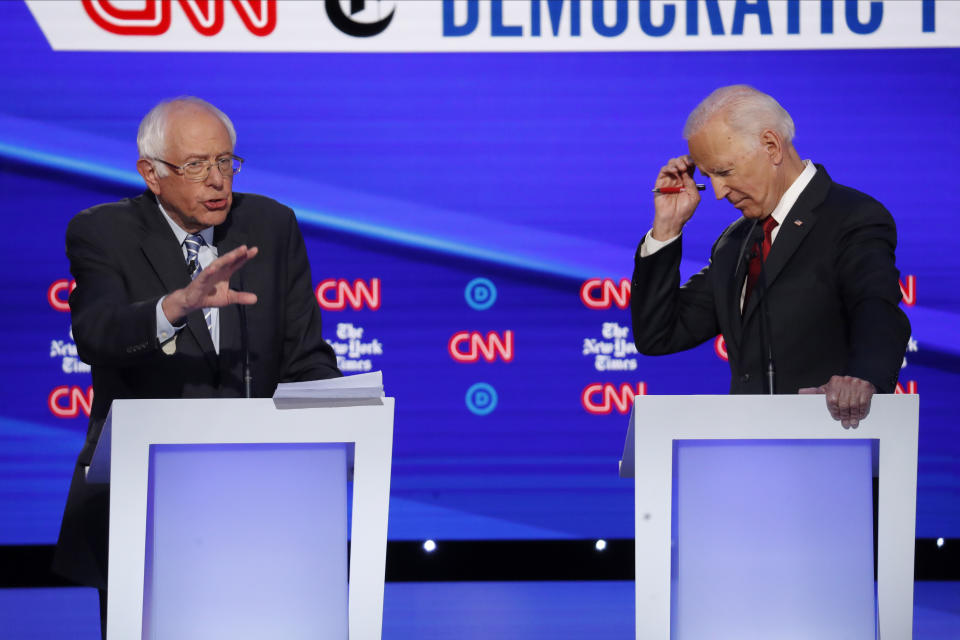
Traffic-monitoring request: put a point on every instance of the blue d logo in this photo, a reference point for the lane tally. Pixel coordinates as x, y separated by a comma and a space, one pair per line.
481, 399
480, 294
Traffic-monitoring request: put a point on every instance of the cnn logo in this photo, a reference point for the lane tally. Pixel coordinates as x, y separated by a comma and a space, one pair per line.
471, 346
58, 294
70, 402
910, 388
601, 398
908, 290
335, 295
206, 16
603, 293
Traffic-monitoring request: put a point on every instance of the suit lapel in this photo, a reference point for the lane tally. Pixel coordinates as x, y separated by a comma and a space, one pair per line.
226, 238
159, 246
165, 257
795, 228
738, 272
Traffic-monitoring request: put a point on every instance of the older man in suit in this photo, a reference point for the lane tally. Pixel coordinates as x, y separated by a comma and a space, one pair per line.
803, 286
160, 298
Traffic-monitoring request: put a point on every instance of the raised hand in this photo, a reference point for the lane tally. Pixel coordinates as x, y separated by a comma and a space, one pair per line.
673, 210
211, 287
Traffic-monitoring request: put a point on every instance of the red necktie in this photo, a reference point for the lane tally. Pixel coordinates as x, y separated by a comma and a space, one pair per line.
757, 259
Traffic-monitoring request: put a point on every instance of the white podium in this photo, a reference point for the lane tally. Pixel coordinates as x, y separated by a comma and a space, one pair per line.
754, 518
229, 518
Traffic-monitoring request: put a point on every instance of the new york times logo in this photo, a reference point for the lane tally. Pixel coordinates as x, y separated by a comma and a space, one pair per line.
365, 17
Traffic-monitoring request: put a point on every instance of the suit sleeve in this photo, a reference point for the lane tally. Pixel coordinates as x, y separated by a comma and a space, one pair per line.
667, 317
869, 286
107, 327
306, 355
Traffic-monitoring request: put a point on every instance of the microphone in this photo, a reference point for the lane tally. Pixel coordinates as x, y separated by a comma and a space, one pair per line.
742, 259
766, 334
245, 347
754, 240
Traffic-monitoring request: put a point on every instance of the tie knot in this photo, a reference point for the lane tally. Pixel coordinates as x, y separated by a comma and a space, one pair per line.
769, 224
194, 241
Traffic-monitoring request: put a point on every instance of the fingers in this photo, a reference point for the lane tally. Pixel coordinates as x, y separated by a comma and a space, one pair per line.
241, 297
833, 405
848, 399
211, 286
221, 269
672, 210
227, 264
672, 174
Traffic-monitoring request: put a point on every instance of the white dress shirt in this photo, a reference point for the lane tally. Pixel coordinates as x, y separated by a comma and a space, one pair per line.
206, 255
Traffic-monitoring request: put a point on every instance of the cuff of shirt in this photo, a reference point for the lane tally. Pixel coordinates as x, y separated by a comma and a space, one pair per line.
165, 330
651, 245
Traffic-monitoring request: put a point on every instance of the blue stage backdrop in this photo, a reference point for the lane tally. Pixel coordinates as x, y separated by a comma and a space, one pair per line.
471, 215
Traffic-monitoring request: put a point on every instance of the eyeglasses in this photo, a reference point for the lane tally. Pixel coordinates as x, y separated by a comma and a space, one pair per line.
198, 170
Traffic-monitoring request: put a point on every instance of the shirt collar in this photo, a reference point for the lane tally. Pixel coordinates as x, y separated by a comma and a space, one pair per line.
206, 234
789, 197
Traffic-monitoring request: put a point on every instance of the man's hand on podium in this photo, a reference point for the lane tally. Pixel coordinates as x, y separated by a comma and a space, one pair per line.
848, 399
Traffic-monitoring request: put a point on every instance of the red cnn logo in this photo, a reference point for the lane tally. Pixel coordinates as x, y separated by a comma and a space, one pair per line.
58, 294
909, 291
720, 348
478, 346
910, 388
601, 398
68, 402
334, 295
598, 293
206, 16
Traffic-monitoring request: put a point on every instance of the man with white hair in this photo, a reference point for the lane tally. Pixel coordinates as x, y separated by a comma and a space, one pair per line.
803, 288
156, 311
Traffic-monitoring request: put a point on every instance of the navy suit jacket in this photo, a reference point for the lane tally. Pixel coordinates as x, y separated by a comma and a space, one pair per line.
832, 296
124, 258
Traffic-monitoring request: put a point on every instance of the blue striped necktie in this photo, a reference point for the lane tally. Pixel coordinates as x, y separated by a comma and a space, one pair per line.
193, 242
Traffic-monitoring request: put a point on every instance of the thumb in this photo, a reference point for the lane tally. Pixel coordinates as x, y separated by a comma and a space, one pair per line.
811, 390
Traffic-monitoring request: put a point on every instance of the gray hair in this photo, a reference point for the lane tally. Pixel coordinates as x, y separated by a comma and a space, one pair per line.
744, 109
151, 137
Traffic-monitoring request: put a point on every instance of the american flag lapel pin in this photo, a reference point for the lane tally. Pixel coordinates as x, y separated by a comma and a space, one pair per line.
799, 223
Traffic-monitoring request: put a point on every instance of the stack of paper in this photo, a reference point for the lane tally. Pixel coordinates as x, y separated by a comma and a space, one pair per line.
362, 385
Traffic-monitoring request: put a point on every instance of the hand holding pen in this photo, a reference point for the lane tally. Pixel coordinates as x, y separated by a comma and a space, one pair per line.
677, 197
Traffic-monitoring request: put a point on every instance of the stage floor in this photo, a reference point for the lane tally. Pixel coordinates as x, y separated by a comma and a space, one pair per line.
460, 610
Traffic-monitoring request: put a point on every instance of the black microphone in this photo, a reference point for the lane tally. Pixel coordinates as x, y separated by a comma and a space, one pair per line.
766, 333
245, 347
742, 258
754, 240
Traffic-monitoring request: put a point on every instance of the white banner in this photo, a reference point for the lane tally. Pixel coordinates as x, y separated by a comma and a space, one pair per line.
495, 25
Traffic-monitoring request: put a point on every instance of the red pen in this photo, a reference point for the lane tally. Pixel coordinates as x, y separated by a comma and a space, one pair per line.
700, 187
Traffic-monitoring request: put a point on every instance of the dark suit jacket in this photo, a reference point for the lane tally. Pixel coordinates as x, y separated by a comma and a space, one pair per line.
124, 258
832, 296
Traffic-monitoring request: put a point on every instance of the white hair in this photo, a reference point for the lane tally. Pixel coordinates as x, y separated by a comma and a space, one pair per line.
151, 137
744, 109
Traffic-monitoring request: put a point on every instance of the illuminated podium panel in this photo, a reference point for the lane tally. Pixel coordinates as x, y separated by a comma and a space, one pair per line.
754, 517
229, 518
